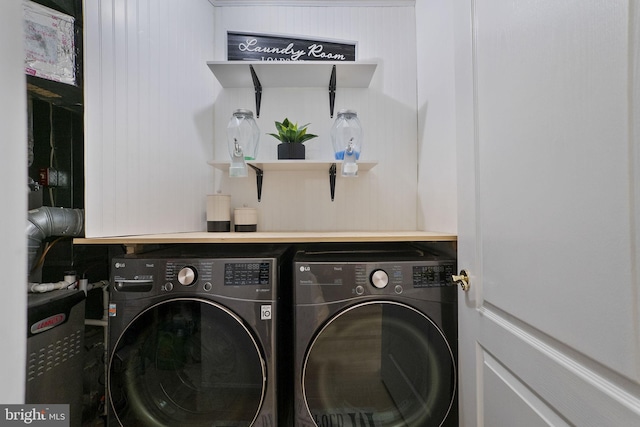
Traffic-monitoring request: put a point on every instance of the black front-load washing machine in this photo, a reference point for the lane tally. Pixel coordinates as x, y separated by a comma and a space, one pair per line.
375, 338
193, 338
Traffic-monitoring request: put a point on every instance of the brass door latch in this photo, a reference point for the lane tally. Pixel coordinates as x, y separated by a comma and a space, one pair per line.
462, 279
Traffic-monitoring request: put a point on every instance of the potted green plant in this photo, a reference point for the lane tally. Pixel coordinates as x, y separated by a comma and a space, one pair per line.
291, 137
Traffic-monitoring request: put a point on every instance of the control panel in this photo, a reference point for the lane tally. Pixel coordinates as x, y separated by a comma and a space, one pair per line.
223, 276
337, 280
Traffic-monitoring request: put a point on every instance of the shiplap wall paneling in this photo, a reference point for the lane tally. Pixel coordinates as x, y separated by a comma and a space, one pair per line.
383, 198
437, 184
148, 115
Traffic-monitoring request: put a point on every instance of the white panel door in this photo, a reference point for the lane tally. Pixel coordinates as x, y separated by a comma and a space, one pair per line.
548, 121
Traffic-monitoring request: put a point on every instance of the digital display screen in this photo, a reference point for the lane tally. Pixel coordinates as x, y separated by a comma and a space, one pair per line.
246, 274
433, 275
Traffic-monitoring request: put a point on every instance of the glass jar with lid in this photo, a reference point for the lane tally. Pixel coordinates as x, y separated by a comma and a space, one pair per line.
243, 136
346, 136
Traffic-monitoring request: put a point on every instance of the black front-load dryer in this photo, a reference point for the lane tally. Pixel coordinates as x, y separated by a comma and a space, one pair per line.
192, 339
375, 338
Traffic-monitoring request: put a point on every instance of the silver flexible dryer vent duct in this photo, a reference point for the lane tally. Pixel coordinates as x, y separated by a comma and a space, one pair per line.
47, 221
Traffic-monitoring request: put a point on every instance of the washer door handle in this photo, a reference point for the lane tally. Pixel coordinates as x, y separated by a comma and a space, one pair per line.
133, 285
462, 279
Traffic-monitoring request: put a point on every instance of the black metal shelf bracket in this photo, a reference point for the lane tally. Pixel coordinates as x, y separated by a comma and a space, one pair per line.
259, 176
332, 180
258, 89
332, 91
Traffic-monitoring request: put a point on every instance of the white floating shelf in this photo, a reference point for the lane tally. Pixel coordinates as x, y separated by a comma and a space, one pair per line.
294, 165
261, 74
293, 73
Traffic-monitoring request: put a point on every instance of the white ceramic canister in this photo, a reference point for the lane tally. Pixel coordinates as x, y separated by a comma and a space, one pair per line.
218, 212
245, 219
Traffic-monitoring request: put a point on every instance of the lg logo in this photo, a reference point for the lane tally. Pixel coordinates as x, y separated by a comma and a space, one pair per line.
304, 268
119, 265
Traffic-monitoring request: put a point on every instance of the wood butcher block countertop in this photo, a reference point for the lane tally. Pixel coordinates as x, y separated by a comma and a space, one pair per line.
272, 237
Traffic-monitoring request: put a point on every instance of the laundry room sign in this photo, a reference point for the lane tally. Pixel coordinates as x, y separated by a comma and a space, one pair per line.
272, 47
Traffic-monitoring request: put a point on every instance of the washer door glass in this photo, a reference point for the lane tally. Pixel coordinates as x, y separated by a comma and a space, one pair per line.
186, 363
379, 364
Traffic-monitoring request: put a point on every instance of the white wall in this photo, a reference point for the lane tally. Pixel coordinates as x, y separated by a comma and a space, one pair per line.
148, 115
383, 198
437, 206
13, 175
151, 122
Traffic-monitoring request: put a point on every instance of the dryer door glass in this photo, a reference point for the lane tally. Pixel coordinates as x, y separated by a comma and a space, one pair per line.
381, 364
186, 363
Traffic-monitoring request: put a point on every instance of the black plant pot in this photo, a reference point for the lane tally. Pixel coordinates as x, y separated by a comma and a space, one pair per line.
290, 151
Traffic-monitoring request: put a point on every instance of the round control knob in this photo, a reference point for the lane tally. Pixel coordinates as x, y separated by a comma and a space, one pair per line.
187, 276
379, 279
